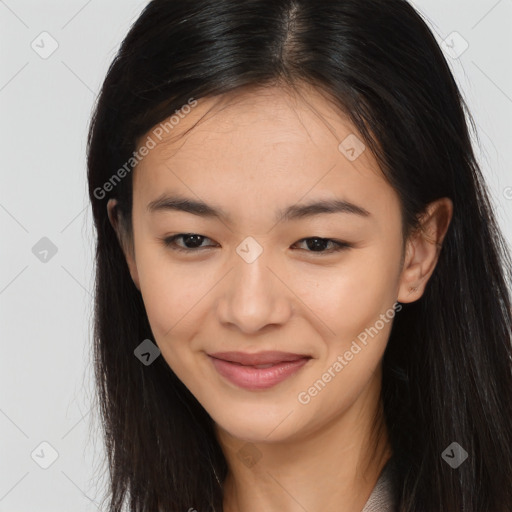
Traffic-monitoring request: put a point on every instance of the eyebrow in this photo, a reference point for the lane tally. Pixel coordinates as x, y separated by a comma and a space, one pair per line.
293, 212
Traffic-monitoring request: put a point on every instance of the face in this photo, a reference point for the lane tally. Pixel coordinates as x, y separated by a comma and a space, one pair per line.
314, 283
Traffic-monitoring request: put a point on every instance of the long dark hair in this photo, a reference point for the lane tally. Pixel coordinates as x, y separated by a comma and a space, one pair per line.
447, 370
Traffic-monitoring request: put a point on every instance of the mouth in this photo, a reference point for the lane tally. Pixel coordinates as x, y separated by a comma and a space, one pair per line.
260, 358
257, 371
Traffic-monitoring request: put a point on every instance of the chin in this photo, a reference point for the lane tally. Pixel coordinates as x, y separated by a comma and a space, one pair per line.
257, 427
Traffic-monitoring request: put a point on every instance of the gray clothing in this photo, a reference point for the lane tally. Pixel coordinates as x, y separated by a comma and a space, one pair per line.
382, 499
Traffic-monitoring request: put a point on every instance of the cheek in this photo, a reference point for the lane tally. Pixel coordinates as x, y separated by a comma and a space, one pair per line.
353, 295
172, 293
356, 302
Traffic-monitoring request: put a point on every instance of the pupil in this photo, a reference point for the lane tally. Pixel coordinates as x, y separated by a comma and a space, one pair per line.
197, 237
319, 243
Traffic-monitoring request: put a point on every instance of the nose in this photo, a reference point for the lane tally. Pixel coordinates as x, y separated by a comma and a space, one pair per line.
254, 295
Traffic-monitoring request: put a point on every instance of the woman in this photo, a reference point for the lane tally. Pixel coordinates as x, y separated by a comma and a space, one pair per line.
301, 298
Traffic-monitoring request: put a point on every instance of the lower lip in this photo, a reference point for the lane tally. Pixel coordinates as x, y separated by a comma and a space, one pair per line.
252, 378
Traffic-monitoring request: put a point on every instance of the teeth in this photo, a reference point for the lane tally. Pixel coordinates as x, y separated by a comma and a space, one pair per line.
263, 365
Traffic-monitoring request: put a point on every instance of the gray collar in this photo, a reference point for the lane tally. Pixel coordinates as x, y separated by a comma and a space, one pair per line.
381, 499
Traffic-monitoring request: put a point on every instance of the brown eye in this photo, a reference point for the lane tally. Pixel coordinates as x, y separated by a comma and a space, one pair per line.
318, 245
191, 242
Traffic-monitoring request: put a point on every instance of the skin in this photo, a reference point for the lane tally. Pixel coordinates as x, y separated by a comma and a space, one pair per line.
252, 153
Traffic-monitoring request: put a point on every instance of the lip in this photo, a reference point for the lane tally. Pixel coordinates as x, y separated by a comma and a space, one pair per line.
269, 357
239, 367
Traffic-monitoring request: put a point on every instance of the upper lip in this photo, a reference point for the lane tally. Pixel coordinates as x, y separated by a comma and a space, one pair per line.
246, 359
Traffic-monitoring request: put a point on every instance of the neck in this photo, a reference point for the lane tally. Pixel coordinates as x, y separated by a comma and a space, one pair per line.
333, 468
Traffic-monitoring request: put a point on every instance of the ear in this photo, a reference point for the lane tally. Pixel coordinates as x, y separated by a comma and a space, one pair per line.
128, 249
423, 248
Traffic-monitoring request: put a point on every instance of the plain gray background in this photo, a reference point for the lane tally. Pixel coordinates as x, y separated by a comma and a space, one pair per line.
46, 298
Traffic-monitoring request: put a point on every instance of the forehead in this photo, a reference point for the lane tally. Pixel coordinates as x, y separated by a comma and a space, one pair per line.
269, 146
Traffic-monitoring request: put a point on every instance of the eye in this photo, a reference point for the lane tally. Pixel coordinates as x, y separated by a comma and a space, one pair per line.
189, 239
318, 245
192, 243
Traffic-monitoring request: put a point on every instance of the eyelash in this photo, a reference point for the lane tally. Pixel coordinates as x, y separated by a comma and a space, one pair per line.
338, 245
